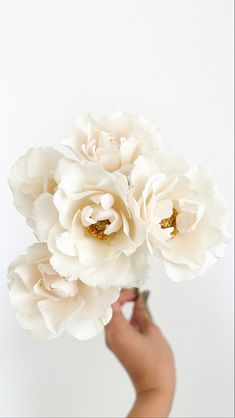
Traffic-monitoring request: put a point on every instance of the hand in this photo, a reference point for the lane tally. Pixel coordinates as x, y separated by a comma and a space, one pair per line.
146, 355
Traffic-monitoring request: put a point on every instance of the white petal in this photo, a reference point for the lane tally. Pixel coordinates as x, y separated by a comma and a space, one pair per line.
109, 162
93, 252
161, 209
35, 325
56, 313
107, 201
23, 300
84, 329
44, 216
128, 150
86, 216
37, 253
11, 273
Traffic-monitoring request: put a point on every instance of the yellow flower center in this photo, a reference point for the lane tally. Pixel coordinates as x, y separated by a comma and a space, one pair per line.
98, 230
170, 223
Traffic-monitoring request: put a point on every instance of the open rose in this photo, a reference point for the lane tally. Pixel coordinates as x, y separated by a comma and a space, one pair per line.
47, 303
100, 235
184, 215
33, 184
114, 141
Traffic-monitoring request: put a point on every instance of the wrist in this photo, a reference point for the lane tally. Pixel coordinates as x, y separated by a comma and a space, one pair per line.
152, 402
147, 387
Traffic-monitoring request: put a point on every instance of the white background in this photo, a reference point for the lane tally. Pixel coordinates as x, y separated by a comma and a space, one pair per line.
172, 62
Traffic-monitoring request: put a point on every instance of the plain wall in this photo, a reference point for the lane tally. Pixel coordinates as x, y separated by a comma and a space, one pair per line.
167, 60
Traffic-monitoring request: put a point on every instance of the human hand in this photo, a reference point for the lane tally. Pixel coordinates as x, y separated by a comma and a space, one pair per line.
146, 355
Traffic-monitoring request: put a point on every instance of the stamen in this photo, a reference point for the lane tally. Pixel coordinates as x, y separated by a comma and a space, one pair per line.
98, 230
170, 223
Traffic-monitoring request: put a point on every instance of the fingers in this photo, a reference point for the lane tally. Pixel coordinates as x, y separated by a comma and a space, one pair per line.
140, 317
119, 328
127, 295
118, 323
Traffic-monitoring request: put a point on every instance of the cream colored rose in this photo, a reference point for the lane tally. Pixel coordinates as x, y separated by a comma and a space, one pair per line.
114, 141
100, 234
47, 303
33, 184
183, 213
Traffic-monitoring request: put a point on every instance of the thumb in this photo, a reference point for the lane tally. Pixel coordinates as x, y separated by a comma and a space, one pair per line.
117, 328
140, 316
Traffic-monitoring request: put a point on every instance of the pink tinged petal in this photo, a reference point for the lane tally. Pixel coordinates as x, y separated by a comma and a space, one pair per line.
60, 287
56, 313
40, 290
44, 216
35, 325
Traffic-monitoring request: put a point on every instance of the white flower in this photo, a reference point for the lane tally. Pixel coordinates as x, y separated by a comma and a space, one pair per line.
33, 184
184, 215
115, 141
47, 303
100, 234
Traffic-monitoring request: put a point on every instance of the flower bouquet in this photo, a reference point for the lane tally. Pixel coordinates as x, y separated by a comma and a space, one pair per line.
96, 217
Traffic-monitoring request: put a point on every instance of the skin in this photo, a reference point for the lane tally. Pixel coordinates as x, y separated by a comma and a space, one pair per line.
145, 354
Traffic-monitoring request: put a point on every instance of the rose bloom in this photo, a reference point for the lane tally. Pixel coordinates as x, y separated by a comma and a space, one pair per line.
183, 213
33, 184
99, 235
114, 141
47, 303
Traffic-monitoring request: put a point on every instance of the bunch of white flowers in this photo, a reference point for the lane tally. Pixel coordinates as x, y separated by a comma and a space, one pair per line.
97, 216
